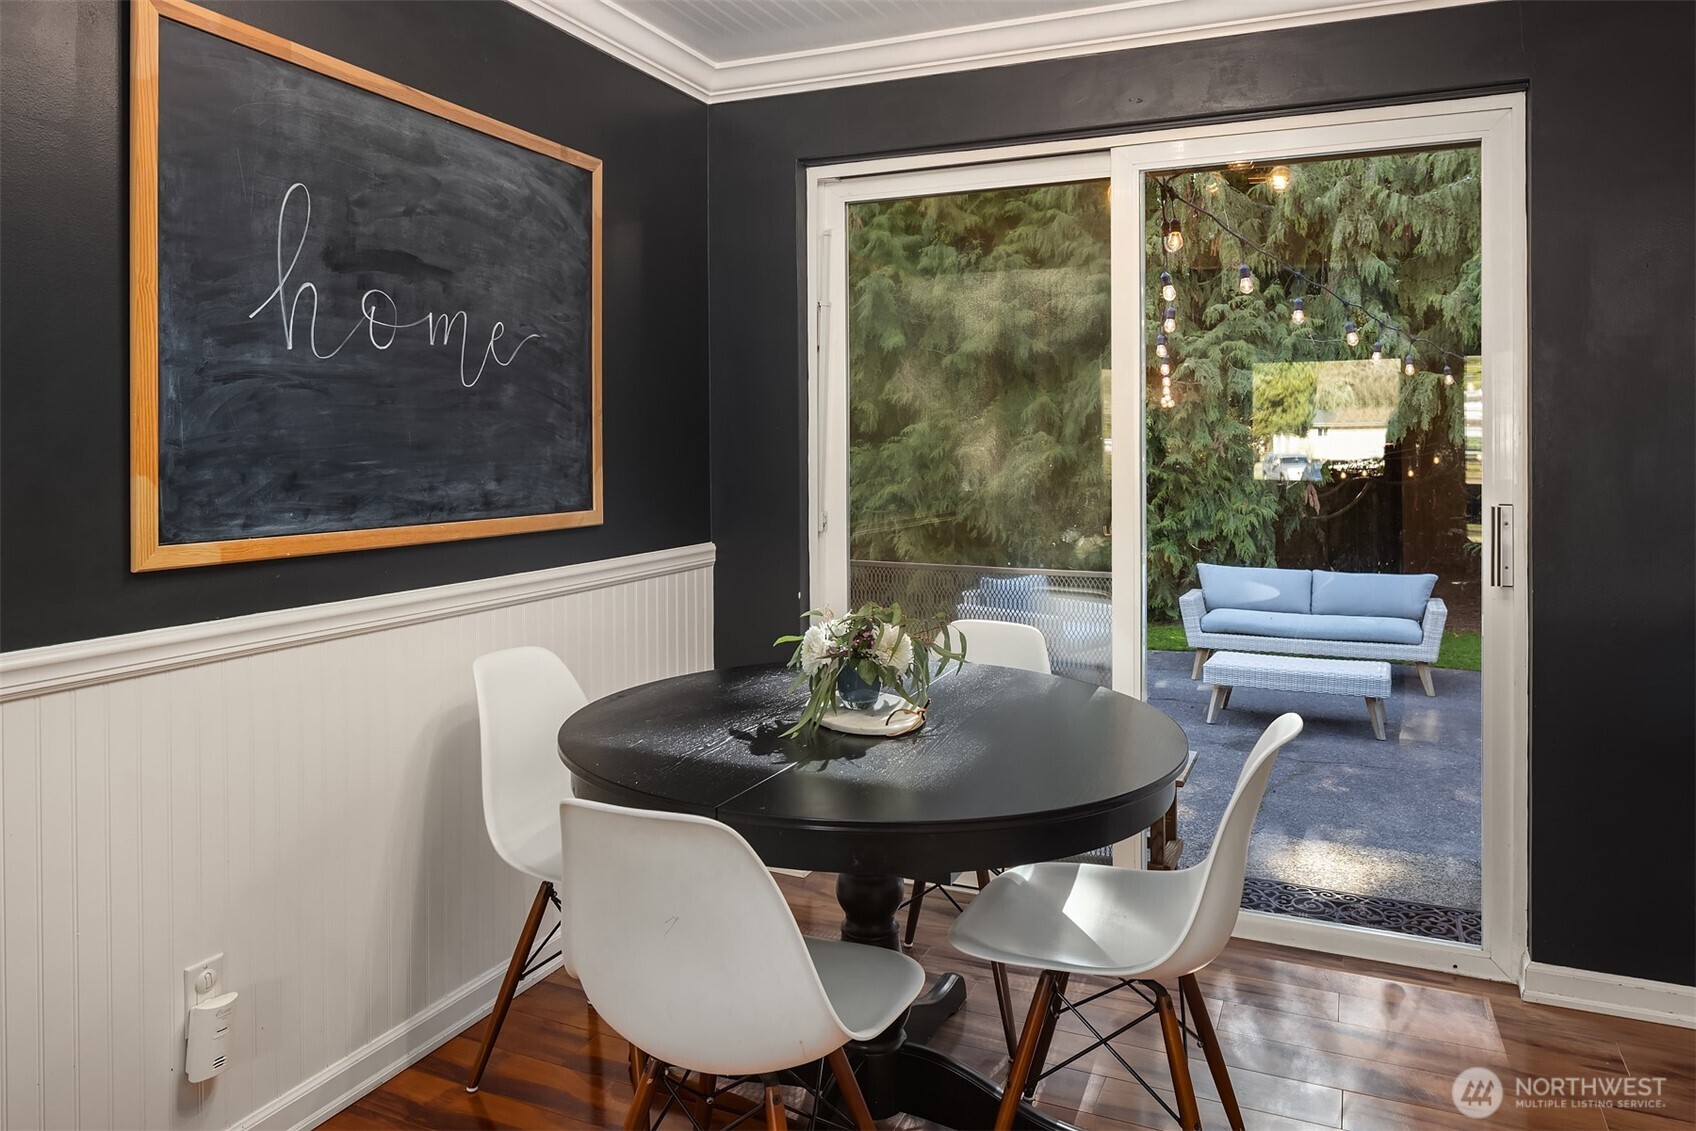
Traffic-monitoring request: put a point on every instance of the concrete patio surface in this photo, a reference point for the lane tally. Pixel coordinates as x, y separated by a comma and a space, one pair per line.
1345, 812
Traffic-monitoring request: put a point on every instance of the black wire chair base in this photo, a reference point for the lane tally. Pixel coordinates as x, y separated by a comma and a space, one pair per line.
926, 887
536, 961
694, 1102
1066, 1005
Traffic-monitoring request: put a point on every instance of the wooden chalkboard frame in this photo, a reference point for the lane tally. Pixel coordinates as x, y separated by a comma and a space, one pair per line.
146, 552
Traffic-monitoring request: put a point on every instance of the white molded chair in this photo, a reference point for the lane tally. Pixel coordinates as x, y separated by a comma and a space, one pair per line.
1003, 644
684, 944
523, 695
1136, 926
1000, 644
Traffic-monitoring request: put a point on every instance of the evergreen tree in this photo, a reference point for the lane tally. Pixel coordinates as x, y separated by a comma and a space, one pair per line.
979, 342
978, 338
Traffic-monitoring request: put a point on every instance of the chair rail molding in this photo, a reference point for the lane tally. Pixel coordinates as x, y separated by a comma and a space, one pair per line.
80, 663
296, 790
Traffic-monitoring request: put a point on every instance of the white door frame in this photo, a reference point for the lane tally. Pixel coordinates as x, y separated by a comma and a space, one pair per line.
1497, 124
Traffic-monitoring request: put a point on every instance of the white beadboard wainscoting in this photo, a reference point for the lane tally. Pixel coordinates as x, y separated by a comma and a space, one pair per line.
300, 791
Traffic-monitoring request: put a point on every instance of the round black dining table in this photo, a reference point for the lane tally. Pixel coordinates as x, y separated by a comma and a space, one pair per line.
1010, 767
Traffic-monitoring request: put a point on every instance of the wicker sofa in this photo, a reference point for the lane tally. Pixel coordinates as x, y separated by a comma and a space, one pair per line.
1078, 626
1356, 616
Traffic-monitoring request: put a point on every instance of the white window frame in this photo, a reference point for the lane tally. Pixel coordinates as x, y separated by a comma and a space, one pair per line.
1497, 124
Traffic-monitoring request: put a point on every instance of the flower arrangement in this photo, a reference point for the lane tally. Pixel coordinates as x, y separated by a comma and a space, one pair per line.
858, 656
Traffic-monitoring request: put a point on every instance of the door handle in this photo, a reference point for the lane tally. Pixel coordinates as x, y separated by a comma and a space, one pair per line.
1501, 546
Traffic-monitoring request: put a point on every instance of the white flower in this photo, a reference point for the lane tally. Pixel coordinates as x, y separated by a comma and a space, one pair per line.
904, 654
894, 649
818, 640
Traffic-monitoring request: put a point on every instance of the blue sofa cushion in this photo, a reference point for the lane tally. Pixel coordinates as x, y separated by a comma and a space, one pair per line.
1371, 594
1313, 626
1021, 593
1263, 590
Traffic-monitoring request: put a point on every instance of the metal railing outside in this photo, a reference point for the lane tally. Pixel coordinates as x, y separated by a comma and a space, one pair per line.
1074, 610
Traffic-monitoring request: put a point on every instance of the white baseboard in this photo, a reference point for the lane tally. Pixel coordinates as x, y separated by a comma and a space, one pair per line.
1664, 1003
315, 1099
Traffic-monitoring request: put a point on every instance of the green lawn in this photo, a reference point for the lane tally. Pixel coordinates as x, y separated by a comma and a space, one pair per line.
1460, 650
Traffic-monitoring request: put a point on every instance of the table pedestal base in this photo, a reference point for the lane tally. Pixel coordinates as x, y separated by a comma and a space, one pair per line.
896, 1072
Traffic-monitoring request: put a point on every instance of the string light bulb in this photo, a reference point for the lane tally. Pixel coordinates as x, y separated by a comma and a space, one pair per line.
1378, 350
1409, 366
1165, 367
1298, 313
1245, 280
1279, 178
1172, 236
1448, 376
1160, 349
1170, 325
1168, 292
1351, 333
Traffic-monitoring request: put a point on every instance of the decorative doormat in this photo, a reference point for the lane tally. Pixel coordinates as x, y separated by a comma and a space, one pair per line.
1405, 917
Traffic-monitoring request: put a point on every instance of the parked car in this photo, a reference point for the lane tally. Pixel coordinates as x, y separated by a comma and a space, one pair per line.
1290, 467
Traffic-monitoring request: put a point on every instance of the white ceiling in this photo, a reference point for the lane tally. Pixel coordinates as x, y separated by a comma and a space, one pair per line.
728, 31
718, 50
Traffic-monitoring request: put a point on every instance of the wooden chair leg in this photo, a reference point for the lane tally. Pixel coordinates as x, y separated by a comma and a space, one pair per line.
1050, 1023
1201, 655
1210, 1045
1004, 1003
704, 1105
509, 984
913, 906
1035, 1021
637, 1116
849, 1086
1178, 1057
1425, 678
777, 1119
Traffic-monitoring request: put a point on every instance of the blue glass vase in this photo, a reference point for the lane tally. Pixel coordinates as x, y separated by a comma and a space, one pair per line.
855, 693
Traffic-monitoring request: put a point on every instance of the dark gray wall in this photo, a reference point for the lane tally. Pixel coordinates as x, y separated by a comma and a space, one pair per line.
1613, 338
64, 327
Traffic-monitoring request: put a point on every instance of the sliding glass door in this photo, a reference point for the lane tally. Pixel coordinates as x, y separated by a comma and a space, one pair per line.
1086, 391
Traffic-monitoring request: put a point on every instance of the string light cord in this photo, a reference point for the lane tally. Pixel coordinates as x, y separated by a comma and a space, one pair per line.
1376, 319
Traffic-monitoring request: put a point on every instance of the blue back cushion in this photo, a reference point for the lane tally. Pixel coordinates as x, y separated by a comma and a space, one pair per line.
1263, 590
1020, 593
1371, 594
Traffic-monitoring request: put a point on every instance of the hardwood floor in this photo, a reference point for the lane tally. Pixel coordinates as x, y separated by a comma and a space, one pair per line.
1312, 1042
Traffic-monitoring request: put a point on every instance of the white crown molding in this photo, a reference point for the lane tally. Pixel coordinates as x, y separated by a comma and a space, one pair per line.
1130, 23
60, 667
629, 39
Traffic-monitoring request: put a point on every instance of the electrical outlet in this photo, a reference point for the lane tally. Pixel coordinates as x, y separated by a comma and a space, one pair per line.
203, 980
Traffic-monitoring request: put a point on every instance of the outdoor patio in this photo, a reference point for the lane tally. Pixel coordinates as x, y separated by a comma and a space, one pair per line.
1395, 823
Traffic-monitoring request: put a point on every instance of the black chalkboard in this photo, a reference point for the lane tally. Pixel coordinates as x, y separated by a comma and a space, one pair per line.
369, 316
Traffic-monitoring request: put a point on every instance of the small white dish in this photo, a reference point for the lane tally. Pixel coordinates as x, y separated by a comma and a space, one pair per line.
890, 717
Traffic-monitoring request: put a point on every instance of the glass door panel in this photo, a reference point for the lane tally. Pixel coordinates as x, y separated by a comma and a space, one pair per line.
979, 457
1314, 407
